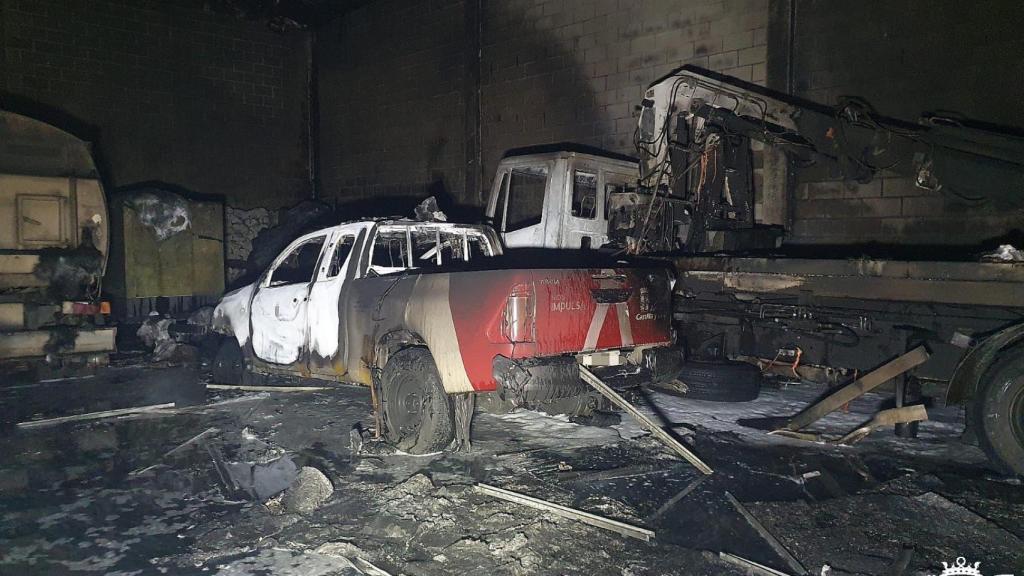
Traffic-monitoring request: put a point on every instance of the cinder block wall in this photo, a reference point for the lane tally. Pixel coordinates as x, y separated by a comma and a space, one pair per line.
396, 117
904, 57
169, 91
391, 109
393, 93
575, 70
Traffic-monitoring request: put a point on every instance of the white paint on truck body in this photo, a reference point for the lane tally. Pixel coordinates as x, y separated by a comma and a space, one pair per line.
232, 313
325, 294
279, 322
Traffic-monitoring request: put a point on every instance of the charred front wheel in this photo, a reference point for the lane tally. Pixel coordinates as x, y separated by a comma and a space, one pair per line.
998, 411
418, 414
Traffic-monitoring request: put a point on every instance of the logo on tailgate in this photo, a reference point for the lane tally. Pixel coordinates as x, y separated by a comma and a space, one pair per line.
566, 306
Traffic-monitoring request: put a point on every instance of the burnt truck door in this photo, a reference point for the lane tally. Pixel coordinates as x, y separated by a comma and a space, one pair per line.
279, 329
523, 211
341, 264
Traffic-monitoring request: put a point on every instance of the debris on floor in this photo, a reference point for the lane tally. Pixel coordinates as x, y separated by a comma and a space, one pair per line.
1005, 253
258, 482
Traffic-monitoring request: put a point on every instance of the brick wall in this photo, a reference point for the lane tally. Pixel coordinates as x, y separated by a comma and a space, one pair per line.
904, 57
391, 94
393, 103
167, 90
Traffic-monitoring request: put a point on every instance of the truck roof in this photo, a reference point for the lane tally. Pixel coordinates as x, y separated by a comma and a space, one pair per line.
399, 221
564, 150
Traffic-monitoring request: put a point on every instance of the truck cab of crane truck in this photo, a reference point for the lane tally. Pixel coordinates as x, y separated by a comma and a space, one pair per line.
558, 198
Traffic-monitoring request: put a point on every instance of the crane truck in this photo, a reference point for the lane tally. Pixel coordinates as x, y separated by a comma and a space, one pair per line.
742, 293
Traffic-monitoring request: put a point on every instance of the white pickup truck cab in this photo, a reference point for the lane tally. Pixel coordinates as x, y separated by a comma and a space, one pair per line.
557, 199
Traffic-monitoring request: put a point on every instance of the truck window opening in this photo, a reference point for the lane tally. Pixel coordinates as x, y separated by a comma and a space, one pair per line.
431, 247
389, 252
341, 251
299, 265
584, 195
525, 197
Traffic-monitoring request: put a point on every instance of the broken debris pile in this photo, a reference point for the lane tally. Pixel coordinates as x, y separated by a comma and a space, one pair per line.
173, 341
244, 466
1005, 253
428, 211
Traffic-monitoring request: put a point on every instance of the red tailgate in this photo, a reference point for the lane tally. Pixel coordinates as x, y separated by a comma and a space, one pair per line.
520, 313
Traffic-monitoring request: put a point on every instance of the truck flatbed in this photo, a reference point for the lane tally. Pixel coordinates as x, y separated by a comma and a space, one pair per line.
965, 283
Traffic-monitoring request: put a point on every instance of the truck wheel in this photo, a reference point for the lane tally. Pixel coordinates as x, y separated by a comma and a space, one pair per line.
418, 414
719, 381
228, 364
998, 412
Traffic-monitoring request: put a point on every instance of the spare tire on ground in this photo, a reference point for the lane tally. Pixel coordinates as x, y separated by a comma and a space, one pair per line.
717, 381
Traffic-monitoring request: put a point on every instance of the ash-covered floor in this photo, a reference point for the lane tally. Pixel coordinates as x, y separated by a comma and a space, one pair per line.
106, 497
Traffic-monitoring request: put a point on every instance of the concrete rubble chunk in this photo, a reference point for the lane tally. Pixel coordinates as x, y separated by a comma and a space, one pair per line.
309, 490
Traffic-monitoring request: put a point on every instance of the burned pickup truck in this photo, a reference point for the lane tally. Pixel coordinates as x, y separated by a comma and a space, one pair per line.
429, 314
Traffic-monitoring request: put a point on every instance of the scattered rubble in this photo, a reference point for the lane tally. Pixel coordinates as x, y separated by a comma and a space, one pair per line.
95, 415
1005, 253
566, 512
155, 333
768, 537
390, 513
428, 211
308, 491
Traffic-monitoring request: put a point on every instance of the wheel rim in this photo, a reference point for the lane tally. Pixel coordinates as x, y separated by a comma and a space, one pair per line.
1017, 415
407, 406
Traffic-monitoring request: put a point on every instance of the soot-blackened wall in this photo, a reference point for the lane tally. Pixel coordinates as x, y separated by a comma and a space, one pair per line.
398, 87
905, 58
169, 92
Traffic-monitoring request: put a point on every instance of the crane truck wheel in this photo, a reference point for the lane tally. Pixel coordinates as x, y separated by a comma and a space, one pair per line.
418, 415
998, 411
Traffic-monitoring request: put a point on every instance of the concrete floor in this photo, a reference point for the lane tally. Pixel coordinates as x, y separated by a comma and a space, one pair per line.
102, 497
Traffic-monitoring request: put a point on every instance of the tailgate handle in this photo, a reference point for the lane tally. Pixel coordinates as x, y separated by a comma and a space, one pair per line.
616, 277
610, 295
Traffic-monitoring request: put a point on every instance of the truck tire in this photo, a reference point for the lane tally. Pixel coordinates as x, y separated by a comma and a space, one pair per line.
719, 381
228, 364
418, 415
998, 412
